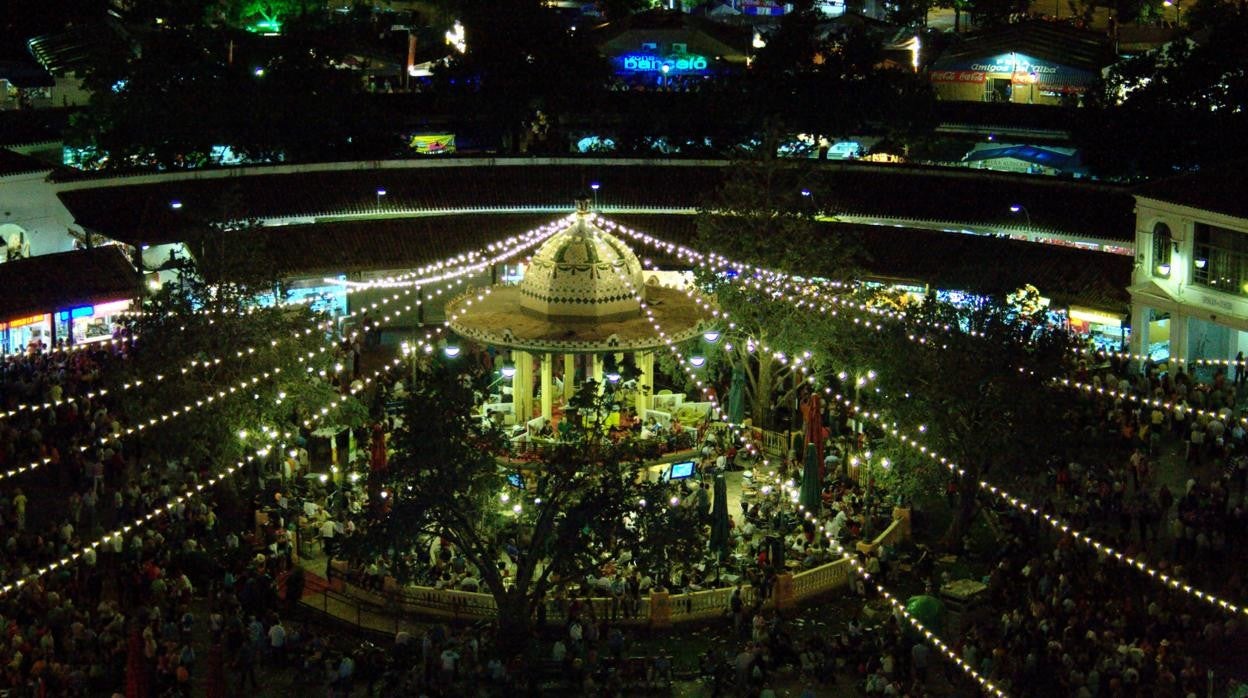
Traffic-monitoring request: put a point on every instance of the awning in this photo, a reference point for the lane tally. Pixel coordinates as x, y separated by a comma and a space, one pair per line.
53, 282
1154, 296
1026, 153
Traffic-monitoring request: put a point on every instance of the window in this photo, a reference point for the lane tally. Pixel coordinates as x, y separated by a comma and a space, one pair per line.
1220, 259
1163, 242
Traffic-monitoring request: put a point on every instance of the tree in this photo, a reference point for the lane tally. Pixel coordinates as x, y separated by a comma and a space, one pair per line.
1173, 109
268, 15
760, 215
445, 479
618, 9
220, 325
979, 390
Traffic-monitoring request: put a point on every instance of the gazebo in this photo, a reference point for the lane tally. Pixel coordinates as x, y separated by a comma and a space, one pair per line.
579, 300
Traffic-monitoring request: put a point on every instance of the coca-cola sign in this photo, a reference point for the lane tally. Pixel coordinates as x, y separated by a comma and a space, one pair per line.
957, 76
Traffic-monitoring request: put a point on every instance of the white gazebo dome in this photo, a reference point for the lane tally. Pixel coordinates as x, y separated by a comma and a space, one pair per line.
583, 273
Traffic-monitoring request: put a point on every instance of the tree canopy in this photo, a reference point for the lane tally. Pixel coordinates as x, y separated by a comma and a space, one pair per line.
1173, 109
446, 480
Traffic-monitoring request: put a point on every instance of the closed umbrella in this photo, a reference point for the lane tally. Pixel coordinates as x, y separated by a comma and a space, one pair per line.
736, 396
809, 495
812, 417
719, 518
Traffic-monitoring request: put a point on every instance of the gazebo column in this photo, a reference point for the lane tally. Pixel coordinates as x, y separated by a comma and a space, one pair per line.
548, 380
522, 386
569, 376
645, 382
597, 371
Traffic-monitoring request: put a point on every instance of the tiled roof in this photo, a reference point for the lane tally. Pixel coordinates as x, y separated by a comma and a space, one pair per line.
58, 281
1052, 41
1218, 189
954, 261
944, 260
12, 163
947, 195
330, 248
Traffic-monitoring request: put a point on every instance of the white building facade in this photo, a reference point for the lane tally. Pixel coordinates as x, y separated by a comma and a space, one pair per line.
1189, 292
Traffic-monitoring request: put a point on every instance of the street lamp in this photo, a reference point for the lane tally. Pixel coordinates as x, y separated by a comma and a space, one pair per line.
1015, 208
380, 193
594, 186
1177, 9
175, 204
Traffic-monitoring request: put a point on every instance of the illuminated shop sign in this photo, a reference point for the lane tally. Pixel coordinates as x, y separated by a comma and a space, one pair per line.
648, 63
31, 320
1021, 69
75, 313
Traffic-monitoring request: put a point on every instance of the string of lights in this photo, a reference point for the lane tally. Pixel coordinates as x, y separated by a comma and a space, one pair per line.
272, 441
1061, 527
1173, 407
75, 348
517, 245
900, 609
1102, 353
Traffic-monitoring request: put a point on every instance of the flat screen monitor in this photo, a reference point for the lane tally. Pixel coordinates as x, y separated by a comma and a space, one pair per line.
681, 470
516, 480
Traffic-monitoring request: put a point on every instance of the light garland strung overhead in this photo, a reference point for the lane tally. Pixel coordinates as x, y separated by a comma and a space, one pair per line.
1173, 407
192, 492
1106, 551
932, 638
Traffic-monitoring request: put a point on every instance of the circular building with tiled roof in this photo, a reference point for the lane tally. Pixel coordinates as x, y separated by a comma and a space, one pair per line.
582, 292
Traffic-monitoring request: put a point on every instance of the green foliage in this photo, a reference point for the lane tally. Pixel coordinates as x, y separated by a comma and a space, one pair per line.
267, 15
964, 387
760, 215
1174, 109
837, 87
176, 96
237, 341
445, 479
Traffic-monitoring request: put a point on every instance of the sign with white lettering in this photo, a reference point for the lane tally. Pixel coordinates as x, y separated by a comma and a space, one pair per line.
958, 76
1215, 302
1021, 69
677, 64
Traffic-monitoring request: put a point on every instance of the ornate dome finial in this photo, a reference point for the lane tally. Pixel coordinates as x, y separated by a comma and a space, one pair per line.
583, 273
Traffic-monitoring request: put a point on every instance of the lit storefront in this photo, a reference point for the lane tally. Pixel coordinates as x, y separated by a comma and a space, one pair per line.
90, 323
26, 333
671, 50
64, 298
1104, 330
1027, 63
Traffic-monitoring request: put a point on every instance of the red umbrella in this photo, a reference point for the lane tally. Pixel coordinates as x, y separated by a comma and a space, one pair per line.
215, 679
136, 666
812, 416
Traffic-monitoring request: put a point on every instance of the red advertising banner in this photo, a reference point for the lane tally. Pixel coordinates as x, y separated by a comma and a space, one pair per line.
958, 76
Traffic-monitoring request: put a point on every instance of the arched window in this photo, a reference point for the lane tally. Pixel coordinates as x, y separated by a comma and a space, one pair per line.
1162, 245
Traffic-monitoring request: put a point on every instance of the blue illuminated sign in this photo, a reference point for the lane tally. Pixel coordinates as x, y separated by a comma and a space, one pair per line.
75, 313
648, 63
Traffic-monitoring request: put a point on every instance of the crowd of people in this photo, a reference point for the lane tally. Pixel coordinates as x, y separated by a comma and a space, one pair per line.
1061, 622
